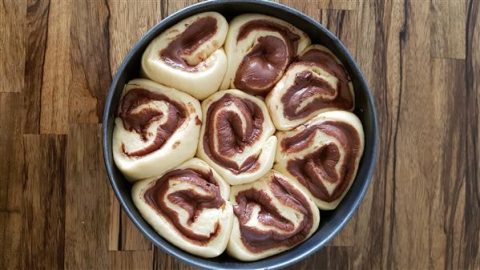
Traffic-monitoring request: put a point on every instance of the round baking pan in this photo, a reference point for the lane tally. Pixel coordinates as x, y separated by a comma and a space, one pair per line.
331, 221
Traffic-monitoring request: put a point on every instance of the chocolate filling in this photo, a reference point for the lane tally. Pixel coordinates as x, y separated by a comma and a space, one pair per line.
264, 65
233, 131
306, 86
187, 42
189, 200
139, 120
319, 166
257, 240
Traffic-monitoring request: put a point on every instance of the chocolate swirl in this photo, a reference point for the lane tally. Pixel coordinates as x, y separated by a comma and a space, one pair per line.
263, 66
306, 85
232, 125
189, 55
196, 34
156, 129
332, 163
271, 215
237, 136
316, 82
259, 49
189, 200
138, 113
285, 233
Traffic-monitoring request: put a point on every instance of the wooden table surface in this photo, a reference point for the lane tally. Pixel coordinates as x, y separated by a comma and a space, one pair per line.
420, 57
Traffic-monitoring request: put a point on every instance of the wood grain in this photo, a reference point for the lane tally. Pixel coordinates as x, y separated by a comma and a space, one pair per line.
90, 60
55, 85
128, 23
420, 58
449, 19
10, 237
410, 243
163, 261
86, 200
12, 45
43, 211
36, 45
331, 257
321, 4
123, 235
11, 166
130, 260
471, 226
339, 22
11, 149
448, 75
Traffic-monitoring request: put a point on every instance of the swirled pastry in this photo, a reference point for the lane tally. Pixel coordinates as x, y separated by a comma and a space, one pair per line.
189, 55
316, 82
189, 207
237, 138
259, 49
271, 216
322, 156
157, 128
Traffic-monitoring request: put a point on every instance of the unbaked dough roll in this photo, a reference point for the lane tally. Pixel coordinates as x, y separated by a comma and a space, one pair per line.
259, 49
316, 82
271, 216
322, 156
156, 129
189, 207
237, 138
189, 55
